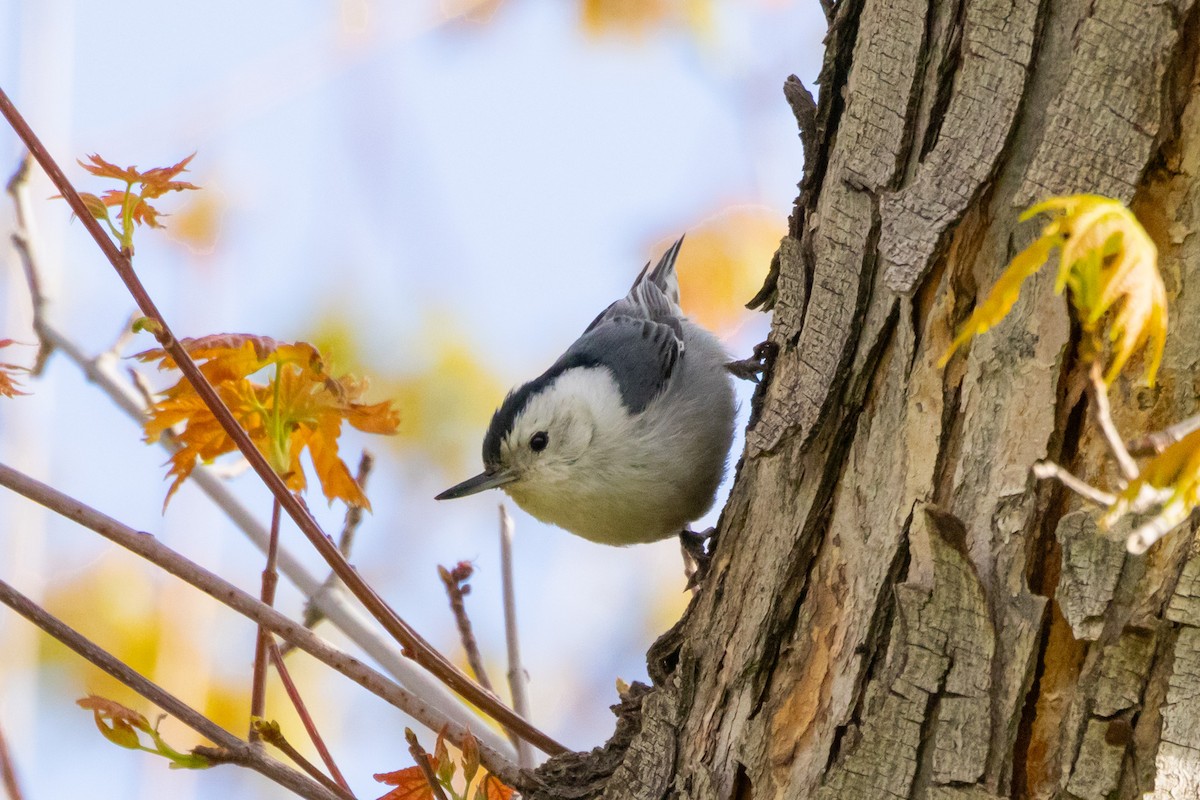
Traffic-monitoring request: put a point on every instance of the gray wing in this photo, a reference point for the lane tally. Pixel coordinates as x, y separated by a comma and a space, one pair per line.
639, 337
640, 353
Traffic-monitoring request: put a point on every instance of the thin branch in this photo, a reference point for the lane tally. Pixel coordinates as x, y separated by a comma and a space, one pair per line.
455, 581
1158, 441
306, 719
518, 679
248, 756
154, 551
270, 578
8, 771
272, 734
1048, 469
325, 597
1103, 414
18, 188
354, 514
418, 648
422, 758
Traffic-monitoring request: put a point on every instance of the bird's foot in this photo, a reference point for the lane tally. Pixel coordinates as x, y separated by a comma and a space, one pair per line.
696, 555
757, 365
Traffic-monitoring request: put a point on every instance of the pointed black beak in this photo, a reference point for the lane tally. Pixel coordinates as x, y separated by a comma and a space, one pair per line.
481, 482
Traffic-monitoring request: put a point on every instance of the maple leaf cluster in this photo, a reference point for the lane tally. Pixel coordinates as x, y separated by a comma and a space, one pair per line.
135, 207
411, 784
1109, 263
8, 384
299, 407
122, 725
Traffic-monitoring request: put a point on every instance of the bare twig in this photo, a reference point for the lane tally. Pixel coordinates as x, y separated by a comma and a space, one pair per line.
270, 578
162, 556
18, 188
132, 400
248, 756
455, 581
1158, 441
354, 514
306, 719
1048, 469
1103, 413
419, 649
8, 771
422, 758
272, 734
518, 680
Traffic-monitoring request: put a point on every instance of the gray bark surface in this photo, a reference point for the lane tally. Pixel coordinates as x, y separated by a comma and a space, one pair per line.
896, 607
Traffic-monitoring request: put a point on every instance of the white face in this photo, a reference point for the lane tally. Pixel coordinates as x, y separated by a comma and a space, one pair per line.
557, 429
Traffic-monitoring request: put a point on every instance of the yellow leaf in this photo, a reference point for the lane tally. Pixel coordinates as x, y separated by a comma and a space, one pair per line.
1109, 263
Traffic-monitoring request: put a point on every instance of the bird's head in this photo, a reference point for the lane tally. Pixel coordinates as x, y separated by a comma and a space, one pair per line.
542, 435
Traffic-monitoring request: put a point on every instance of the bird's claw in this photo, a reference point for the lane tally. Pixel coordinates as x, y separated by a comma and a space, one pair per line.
696, 555
754, 367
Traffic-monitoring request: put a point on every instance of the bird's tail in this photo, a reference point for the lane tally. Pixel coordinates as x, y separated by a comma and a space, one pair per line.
663, 274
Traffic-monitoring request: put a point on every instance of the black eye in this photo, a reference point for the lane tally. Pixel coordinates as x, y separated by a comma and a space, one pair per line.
538, 442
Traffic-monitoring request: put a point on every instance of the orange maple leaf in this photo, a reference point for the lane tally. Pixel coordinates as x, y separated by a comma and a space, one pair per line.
410, 783
8, 384
300, 406
134, 205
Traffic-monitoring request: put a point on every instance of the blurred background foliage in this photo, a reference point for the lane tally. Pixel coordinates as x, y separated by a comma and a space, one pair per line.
440, 195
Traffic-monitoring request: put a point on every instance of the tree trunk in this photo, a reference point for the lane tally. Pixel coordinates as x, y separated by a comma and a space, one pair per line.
897, 608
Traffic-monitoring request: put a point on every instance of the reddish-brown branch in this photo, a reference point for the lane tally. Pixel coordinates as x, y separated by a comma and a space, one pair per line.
415, 645
422, 758
247, 755
354, 515
270, 579
293, 693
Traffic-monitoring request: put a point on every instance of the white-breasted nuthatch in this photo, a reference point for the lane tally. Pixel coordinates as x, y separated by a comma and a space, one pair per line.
624, 439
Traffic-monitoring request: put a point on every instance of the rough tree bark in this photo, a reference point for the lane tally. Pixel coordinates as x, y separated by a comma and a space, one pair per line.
896, 608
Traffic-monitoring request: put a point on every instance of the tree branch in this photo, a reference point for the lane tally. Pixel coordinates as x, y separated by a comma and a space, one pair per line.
1103, 414
156, 552
1048, 469
453, 581
247, 755
419, 649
